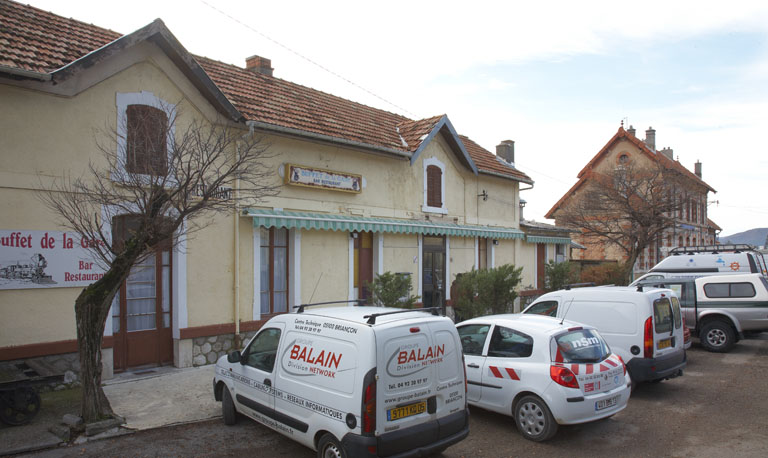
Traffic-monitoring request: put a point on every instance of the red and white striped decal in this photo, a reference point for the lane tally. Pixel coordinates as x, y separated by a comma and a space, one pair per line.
510, 373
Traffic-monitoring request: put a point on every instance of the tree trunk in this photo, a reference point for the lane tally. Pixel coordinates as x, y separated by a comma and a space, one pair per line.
91, 311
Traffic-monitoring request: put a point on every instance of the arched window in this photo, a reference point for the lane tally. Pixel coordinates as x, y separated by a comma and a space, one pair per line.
434, 186
147, 139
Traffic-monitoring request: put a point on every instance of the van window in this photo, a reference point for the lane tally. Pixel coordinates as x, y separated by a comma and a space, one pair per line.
262, 350
548, 308
579, 346
508, 343
716, 290
676, 312
662, 315
473, 338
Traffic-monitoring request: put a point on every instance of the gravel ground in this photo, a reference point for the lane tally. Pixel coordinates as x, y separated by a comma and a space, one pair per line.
718, 408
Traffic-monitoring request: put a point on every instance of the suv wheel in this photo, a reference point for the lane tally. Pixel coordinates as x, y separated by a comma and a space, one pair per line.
534, 420
717, 336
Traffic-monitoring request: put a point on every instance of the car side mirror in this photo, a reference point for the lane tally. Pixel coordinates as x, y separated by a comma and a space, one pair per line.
234, 357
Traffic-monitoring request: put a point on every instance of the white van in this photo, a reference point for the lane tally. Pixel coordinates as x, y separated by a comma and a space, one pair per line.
645, 328
707, 260
351, 381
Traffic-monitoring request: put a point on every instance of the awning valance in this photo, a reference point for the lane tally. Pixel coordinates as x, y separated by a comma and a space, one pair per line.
544, 239
328, 222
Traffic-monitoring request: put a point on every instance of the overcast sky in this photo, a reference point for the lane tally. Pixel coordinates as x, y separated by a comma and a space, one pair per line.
557, 77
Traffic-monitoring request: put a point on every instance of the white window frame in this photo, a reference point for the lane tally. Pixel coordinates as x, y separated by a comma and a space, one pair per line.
426, 208
294, 271
123, 100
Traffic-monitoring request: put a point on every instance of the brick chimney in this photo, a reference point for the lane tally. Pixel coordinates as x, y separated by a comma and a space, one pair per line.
650, 138
506, 150
259, 64
631, 131
667, 152
697, 168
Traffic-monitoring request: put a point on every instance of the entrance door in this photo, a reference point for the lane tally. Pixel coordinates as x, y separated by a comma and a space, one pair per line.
141, 313
433, 272
363, 274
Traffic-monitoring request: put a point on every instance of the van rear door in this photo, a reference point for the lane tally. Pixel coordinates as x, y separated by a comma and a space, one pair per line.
667, 325
421, 379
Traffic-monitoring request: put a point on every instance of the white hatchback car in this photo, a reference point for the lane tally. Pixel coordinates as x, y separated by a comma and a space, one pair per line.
543, 371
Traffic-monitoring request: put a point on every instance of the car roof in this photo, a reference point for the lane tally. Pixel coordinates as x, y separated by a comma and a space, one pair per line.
603, 290
534, 323
729, 278
360, 314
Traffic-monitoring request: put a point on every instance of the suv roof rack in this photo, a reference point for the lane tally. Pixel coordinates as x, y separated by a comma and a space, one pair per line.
302, 306
372, 317
579, 285
726, 248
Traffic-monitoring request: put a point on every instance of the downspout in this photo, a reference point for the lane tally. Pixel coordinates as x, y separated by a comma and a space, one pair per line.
236, 193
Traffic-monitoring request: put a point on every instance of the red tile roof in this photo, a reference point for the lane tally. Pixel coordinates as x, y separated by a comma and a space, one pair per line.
39, 41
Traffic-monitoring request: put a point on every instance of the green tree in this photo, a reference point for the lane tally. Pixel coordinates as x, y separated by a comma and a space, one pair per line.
487, 291
392, 290
557, 275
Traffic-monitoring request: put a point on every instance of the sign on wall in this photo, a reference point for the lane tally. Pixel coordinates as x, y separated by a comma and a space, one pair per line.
45, 259
320, 178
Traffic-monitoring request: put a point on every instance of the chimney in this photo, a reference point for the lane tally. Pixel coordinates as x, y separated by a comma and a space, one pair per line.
259, 64
697, 168
631, 130
506, 150
650, 138
667, 152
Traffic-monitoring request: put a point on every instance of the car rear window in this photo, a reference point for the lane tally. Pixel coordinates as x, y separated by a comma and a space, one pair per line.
548, 308
579, 346
716, 290
662, 315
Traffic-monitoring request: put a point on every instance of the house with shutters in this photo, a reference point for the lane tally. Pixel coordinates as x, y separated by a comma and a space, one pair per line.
362, 191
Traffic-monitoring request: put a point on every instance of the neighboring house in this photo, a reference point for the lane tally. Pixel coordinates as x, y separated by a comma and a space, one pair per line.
691, 227
364, 191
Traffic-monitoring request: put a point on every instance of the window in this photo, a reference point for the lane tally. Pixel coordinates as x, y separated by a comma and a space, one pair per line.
274, 270
434, 186
146, 146
473, 338
262, 351
482, 253
548, 308
579, 346
508, 343
623, 159
560, 253
717, 290
662, 316
676, 312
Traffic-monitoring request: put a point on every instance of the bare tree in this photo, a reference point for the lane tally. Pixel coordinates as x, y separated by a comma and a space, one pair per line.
628, 207
170, 180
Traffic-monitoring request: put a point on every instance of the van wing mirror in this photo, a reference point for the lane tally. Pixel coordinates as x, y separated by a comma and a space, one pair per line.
234, 357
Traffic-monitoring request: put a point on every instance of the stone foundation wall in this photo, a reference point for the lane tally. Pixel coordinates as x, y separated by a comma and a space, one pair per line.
207, 350
67, 364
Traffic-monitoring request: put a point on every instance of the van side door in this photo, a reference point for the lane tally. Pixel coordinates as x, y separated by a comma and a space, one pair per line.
253, 377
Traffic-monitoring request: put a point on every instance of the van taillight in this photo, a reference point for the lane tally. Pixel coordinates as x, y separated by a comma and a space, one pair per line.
369, 405
563, 376
648, 338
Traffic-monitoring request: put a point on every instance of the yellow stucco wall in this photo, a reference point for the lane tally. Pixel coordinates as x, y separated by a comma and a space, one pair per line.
400, 251
462, 256
324, 264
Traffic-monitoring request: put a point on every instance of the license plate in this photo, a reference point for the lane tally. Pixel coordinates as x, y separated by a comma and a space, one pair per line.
666, 343
406, 411
606, 403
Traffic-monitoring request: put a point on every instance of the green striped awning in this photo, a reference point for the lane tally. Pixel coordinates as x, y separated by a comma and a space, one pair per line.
328, 222
543, 239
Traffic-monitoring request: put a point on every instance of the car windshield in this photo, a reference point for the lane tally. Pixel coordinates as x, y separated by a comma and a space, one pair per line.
579, 346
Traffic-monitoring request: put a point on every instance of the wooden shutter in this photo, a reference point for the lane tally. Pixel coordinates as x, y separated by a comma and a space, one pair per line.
434, 186
146, 140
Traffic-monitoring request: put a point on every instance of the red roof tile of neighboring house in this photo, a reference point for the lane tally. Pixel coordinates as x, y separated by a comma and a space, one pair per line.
39, 41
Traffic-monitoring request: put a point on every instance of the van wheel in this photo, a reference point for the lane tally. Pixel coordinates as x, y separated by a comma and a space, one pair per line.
228, 407
329, 447
717, 336
534, 420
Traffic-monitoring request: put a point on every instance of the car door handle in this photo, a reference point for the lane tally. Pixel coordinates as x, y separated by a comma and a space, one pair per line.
268, 382
473, 366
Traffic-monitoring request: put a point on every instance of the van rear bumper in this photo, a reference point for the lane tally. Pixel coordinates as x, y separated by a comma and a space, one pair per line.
648, 369
420, 440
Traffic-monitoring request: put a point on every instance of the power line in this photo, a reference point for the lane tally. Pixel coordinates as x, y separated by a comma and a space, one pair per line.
223, 13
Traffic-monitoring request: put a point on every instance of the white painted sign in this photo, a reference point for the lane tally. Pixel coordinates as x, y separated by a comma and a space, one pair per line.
320, 178
45, 259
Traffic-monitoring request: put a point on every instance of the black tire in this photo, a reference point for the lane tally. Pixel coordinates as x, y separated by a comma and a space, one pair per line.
19, 406
228, 407
534, 420
329, 447
717, 336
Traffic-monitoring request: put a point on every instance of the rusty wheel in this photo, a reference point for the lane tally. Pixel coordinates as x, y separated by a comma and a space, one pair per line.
19, 406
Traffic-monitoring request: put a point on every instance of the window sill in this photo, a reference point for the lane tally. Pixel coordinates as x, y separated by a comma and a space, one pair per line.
428, 209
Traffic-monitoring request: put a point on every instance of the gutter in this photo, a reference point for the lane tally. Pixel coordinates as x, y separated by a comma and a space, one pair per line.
28, 74
508, 177
325, 138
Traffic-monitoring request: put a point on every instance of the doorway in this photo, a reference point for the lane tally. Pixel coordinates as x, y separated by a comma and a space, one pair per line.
433, 272
363, 264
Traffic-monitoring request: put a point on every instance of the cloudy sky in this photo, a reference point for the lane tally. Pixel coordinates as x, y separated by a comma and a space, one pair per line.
557, 77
